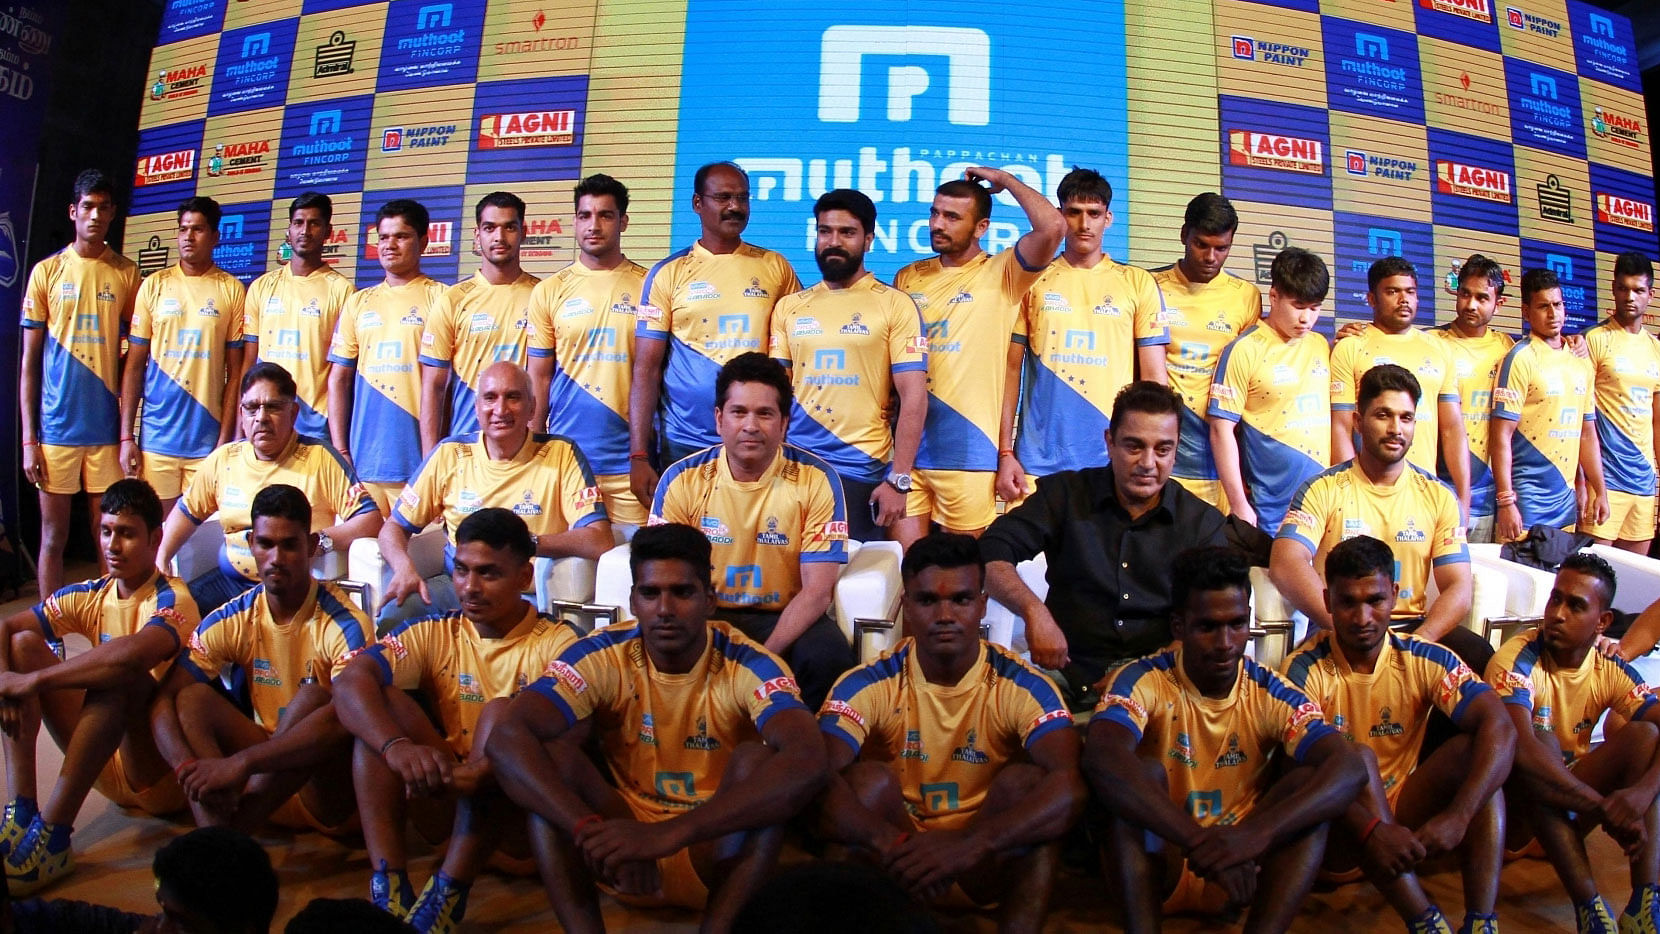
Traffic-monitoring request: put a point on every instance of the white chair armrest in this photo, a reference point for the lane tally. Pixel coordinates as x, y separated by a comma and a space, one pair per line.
564, 580
613, 580
1638, 577
367, 566
866, 601
1274, 621
200, 552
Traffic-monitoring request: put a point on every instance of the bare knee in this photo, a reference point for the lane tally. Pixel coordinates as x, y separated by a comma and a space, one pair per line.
1012, 785
30, 651
746, 758
487, 720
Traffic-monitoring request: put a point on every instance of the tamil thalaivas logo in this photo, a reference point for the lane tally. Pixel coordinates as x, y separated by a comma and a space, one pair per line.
1386, 726
968, 753
1233, 755
702, 740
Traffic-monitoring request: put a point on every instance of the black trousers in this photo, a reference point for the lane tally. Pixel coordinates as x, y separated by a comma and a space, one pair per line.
817, 658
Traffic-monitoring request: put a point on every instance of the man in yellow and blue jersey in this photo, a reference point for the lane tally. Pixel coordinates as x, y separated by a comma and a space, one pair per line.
75, 311
292, 310
582, 321
853, 344
1379, 689
702, 306
1205, 308
1476, 349
1556, 686
1231, 768
709, 749
184, 360
1270, 415
957, 737
1542, 400
479, 321
375, 381
1627, 361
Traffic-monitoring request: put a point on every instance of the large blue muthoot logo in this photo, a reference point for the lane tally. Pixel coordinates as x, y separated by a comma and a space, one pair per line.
892, 99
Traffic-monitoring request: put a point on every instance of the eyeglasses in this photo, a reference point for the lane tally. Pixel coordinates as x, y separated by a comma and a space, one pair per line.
269, 408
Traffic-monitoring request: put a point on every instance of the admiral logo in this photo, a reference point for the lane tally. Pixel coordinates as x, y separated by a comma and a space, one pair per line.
1274, 151
334, 57
1272, 53
152, 258
165, 167
178, 83
1472, 181
845, 710
1616, 127
567, 676
771, 686
1624, 212
1556, 201
397, 138
527, 128
1478, 10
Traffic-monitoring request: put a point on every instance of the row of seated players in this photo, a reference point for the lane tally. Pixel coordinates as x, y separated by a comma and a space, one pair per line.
948, 761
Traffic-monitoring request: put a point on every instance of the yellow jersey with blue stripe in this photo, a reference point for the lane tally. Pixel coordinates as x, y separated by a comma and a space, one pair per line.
188, 323
1567, 703
761, 531
96, 611
969, 314
325, 633
459, 670
1475, 362
1217, 752
843, 347
1081, 329
1416, 516
230, 477
668, 737
710, 307
1422, 355
945, 743
472, 326
1387, 708
1276, 391
379, 340
1627, 377
84, 306
1547, 393
290, 321
1203, 318
585, 319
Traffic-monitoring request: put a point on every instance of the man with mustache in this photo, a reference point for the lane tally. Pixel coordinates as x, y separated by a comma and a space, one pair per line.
1476, 349
1627, 360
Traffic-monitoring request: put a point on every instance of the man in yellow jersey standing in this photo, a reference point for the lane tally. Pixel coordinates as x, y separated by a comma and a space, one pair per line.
75, 312
1627, 360
1476, 349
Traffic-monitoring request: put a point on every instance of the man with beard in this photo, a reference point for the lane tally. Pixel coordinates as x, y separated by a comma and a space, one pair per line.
1627, 361
1476, 349
850, 343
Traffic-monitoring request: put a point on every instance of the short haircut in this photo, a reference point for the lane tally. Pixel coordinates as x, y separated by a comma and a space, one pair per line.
344, 916
413, 212
1482, 267
1535, 281
273, 373
312, 199
755, 367
135, 497
203, 205
963, 188
221, 874
600, 184
673, 541
1147, 397
1360, 557
1300, 275
702, 174
1210, 214
281, 501
1389, 266
1594, 565
1387, 377
944, 550
498, 528
499, 199
90, 181
1083, 184
1204, 569
854, 202
1633, 264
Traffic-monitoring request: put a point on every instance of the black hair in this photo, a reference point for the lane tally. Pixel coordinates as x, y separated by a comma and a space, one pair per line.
1594, 565
1083, 184
601, 184
1634, 264
672, 541
498, 528
344, 916
963, 188
1205, 569
755, 367
1482, 267
1147, 397
281, 501
944, 550
1300, 276
273, 373
135, 497
1389, 266
1210, 214
854, 202
1387, 377
1360, 557
1535, 281
91, 181
413, 212
312, 199
205, 206
702, 174
499, 199
221, 874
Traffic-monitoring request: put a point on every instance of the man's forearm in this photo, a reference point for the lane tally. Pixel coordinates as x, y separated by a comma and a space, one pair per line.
305, 744
590, 541
1045, 814
1293, 576
1342, 436
1004, 585
1494, 752
644, 393
798, 616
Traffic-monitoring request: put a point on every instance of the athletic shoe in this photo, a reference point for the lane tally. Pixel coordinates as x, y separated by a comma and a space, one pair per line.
41, 858
1646, 919
1595, 917
1430, 922
1480, 924
390, 891
19, 814
441, 905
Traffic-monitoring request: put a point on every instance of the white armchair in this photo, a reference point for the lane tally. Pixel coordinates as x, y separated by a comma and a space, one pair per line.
366, 565
200, 554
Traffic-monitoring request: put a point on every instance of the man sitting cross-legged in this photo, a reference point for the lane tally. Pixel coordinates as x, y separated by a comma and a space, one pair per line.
1378, 688
1555, 687
287, 638
468, 665
96, 705
1187, 744
967, 763
679, 706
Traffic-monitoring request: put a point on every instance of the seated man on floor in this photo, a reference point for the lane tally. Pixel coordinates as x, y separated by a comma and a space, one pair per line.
952, 761
287, 638
467, 665
1555, 688
1378, 688
703, 733
1184, 746
97, 704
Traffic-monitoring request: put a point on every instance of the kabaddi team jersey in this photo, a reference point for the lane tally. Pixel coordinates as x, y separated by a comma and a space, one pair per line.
710, 307
1202, 319
668, 737
585, 319
290, 321
188, 323
230, 477
1217, 752
842, 347
1388, 708
95, 611
472, 326
1627, 377
1081, 329
1475, 362
547, 484
324, 634
969, 314
83, 306
944, 742
1417, 518
1276, 391
1548, 394
1422, 355
379, 340
1566, 702
761, 531
461, 670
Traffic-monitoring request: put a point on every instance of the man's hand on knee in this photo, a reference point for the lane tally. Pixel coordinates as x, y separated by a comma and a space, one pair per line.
1391, 849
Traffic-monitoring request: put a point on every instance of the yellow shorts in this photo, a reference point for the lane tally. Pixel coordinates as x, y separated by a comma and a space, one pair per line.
1193, 895
620, 504
169, 476
1208, 490
384, 494
1630, 518
160, 799
959, 500
680, 885
294, 815
73, 468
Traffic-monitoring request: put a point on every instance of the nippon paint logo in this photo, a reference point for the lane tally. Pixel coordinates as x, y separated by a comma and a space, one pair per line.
178, 165
1272, 53
1276, 151
1472, 181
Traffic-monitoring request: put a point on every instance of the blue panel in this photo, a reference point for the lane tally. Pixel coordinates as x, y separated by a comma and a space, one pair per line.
444, 207
1475, 182
1624, 202
188, 19
1276, 152
1372, 70
243, 247
1361, 240
167, 166
1605, 47
252, 69
1544, 108
429, 43
1577, 271
324, 145
1470, 22
528, 129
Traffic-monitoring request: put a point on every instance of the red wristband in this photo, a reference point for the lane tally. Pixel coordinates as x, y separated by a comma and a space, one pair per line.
28, 443
639, 456
180, 769
590, 819
1370, 829
898, 841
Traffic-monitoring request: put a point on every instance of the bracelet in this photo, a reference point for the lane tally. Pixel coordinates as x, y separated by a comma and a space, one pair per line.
177, 773
1005, 452
1370, 828
590, 819
126, 439
28, 443
898, 841
1507, 498
639, 456
393, 742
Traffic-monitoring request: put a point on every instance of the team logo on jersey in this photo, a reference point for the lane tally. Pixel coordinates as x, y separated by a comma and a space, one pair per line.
755, 290
1386, 725
527, 506
575, 308
715, 530
1232, 755
1472, 181
701, 739
311, 309
700, 291
527, 128
624, 305
783, 684
856, 326
805, 326
469, 689
1108, 307
468, 502
566, 675
1624, 212
648, 731
413, 318
771, 535
913, 746
960, 298
1276, 151
480, 323
968, 752
1411, 533
266, 674
208, 310
1183, 751
1056, 302
1585, 725
1478, 10
846, 711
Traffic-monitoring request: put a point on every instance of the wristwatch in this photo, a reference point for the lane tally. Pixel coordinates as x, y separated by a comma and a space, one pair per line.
325, 545
899, 481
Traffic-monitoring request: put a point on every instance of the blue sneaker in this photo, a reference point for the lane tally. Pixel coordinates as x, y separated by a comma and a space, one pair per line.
441, 905
1642, 916
390, 891
19, 814
1431, 921
40, 858
1480, 924
1595, 917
